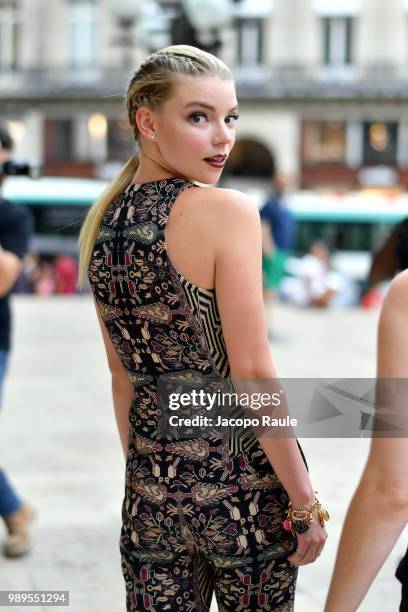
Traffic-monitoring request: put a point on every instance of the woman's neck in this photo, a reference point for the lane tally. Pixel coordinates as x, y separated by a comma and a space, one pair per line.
150, 170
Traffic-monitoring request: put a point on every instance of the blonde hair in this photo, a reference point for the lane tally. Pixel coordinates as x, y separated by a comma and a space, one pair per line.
150, 85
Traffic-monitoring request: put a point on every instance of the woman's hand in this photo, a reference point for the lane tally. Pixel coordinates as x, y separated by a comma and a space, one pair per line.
310, 544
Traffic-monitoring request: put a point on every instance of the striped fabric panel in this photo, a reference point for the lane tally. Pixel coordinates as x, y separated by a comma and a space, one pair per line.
203, 305
205, 581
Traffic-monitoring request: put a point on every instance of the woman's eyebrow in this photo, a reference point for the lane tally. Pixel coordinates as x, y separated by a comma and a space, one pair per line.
205, 105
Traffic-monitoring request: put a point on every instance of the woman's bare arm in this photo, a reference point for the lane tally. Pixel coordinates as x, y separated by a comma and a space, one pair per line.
379, 509
122, 388
238, 283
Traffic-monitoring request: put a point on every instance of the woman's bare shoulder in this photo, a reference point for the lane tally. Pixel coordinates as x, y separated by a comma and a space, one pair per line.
400, 283
397, 295
229, 204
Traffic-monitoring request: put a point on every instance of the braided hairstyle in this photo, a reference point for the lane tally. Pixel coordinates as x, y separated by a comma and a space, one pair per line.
152, 82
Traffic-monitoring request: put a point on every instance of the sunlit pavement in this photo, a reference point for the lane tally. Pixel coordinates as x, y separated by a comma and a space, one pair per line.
59, 445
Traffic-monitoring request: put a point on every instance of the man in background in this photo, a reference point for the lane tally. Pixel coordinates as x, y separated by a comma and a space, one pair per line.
278, 238
15, 230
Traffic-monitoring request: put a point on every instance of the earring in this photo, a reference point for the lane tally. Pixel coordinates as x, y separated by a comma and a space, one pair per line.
153, 136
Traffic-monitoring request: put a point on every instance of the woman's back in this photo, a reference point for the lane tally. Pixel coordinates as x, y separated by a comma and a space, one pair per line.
157, 320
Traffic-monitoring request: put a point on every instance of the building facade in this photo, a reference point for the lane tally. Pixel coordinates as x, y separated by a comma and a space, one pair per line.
322, 85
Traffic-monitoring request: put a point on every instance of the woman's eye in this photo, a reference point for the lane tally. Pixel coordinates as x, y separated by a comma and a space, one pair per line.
234, 117
196, 117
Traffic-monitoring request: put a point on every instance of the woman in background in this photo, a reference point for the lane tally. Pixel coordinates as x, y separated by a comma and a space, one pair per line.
379, 509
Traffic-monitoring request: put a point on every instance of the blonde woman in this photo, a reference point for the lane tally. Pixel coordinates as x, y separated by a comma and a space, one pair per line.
176, 273
379, 509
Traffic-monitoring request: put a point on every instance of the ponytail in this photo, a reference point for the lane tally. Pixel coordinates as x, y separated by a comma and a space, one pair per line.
93, 219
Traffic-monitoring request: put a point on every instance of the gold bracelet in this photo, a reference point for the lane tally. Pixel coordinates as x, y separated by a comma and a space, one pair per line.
299, 519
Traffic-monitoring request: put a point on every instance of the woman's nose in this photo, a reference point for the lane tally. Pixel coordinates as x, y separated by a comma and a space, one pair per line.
223, 134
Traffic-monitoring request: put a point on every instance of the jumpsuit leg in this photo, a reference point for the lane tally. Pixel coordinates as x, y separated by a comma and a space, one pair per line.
238, 523
202, 526
227, 534
162, 568
266, 587
252, 572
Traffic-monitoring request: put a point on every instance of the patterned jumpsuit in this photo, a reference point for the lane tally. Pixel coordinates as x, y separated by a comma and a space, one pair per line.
202, 514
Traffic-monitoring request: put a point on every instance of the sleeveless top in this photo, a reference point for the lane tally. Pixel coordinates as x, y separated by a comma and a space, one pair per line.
160, 323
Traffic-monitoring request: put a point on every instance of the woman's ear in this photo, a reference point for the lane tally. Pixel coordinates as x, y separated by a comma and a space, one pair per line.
144, 122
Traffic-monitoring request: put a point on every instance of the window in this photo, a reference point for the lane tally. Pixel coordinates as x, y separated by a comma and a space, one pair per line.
82, 33
337, 41
249, 36
58, 140
380, 143
9, 35
324, 141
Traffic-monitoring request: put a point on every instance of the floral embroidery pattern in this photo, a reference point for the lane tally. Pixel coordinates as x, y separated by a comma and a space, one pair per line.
196, 516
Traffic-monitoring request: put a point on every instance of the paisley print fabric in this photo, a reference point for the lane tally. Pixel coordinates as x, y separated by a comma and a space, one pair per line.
202, 514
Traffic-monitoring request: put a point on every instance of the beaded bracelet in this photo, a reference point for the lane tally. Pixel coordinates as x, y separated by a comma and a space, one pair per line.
298, 520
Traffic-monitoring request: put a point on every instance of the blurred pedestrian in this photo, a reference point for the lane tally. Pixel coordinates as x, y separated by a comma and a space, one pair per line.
313, 282
65, 271
45, 283
15, 230
278, 239
29, 274
378, 511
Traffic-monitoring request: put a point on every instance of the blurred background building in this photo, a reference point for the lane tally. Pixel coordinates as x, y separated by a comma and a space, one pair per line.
322, 87
322, 84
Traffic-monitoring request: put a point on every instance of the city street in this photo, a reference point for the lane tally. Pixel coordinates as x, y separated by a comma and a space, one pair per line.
60, 448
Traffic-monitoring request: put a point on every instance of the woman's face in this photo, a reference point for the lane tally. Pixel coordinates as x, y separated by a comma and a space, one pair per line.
195, 124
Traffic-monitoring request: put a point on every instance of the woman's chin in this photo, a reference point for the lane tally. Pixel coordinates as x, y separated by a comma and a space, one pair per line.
207, 179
